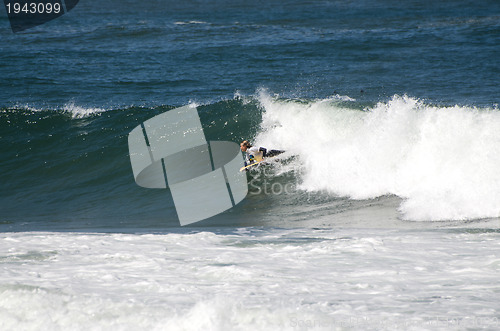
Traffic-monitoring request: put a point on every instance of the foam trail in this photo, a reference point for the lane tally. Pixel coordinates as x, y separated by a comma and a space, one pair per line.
443, 161
250, 279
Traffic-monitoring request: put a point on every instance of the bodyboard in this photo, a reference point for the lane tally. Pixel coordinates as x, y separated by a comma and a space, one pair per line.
250, 165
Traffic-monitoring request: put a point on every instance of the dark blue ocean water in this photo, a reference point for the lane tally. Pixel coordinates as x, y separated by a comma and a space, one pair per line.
169, 52
72, 89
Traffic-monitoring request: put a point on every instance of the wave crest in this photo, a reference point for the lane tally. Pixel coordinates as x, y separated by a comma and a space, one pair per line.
443, 161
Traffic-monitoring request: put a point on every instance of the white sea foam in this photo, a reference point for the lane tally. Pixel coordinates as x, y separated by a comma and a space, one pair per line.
443, 161
189, 22
250, 280
81, 112
70, 108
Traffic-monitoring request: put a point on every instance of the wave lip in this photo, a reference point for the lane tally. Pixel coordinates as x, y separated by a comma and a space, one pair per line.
75, 111
442, 161
81, 112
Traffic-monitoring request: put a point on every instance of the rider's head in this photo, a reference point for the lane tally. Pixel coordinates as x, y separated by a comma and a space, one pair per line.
245, 145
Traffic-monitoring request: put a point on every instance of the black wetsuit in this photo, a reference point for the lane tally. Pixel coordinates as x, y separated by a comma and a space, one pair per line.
265, 153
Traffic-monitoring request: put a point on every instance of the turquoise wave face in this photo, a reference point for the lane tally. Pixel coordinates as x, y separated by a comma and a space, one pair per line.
71, 165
